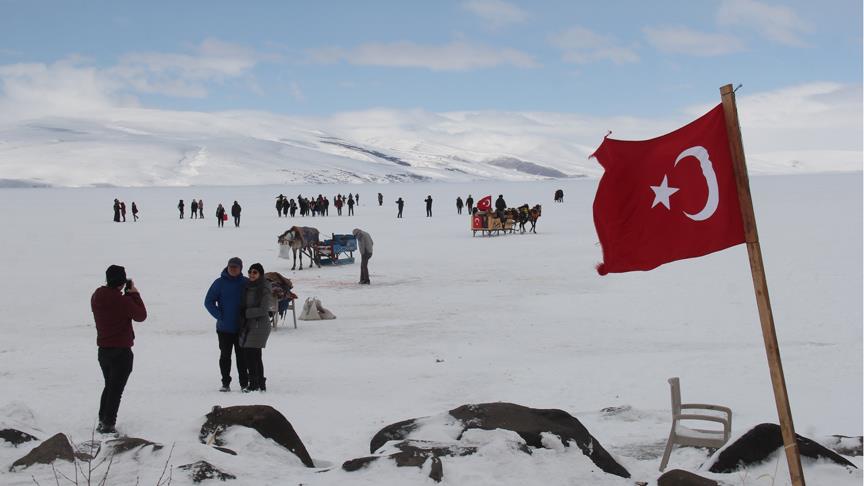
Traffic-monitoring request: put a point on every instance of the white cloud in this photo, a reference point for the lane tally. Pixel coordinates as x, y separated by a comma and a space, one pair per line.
75, 84
775, 22
455, 56
682, 40
581, 46
496, 12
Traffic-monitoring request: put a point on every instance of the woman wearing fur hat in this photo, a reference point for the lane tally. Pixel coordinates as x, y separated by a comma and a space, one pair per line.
256, 325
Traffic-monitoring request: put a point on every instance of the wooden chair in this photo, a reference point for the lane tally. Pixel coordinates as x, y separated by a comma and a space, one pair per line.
687, 436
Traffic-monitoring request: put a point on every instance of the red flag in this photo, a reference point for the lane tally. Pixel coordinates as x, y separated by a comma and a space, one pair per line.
668, 198
484, 204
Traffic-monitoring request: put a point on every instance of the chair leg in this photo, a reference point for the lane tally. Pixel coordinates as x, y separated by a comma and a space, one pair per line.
668, 451
294, 314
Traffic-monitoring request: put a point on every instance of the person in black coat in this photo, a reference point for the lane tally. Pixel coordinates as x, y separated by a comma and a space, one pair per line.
380, 199
134, 211
428, 201
500, 205
459, 204
194, 208
350, 205
220, 216
235, 212
400, 204
116, 210
469, 203
181, 207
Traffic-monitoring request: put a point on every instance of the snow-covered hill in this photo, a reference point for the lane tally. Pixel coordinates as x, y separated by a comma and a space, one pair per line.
143, 147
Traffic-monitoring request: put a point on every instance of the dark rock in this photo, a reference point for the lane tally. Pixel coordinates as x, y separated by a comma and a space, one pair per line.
415, 453
125, 444
531, 423
225, 450
263, 418
16, 437
678, 477
397, 431
202, 470
56, 447
760, 442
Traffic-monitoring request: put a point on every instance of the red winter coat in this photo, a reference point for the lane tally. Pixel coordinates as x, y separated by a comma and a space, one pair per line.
113, 313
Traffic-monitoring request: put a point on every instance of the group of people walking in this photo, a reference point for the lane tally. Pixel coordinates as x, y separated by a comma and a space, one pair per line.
196, 208
120, 211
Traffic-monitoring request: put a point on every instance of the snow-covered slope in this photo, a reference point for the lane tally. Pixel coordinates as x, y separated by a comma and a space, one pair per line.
141, 147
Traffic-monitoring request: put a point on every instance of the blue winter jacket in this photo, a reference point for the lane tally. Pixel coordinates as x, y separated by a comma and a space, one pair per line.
223, 301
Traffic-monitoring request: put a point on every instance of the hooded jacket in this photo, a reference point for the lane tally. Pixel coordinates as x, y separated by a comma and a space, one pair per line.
114, 313
364, 241
224, 299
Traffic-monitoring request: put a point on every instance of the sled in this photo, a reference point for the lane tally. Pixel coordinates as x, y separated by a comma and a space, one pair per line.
487, 223
338, 250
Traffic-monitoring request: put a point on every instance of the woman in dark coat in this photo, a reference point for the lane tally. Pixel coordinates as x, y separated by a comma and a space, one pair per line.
256, 325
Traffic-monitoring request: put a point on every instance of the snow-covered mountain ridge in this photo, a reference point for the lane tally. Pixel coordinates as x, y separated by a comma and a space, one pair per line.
139, 147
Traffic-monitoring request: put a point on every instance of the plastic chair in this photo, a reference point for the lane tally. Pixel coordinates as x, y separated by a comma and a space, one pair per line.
687, 436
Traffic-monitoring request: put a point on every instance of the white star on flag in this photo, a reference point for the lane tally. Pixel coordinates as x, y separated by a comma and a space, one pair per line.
662, 193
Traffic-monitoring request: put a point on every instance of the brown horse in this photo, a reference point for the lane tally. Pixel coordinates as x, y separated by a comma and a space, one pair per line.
302, 239
533, 216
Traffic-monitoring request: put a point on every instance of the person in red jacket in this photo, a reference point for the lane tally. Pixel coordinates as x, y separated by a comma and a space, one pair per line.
114, 312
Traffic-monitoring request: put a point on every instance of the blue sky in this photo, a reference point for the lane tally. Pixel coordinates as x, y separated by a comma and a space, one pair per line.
320, 58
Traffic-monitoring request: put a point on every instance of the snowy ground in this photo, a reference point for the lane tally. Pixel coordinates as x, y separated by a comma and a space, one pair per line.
448, 320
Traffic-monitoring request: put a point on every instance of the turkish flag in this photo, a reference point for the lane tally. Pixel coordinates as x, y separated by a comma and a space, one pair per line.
668, 198
484, 204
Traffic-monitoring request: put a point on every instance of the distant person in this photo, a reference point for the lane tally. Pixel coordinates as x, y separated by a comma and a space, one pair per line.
114, 312
350, 205
200, 209
469, 203
459, 204
292, 207
428, 201
235, 212
500, 204
123, 210
401, 205
134, 212
357, 198
280, 204
116, 210
338, 203
380, 199
559, 196
364, 246
257, 297
181, 207
194, 207
220, 216
223, 301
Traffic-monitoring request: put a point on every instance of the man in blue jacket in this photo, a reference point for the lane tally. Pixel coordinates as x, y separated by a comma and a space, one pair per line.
223, 302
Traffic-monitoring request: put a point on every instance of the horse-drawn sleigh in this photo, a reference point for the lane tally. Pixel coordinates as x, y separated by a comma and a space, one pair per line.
506, 221
338, 250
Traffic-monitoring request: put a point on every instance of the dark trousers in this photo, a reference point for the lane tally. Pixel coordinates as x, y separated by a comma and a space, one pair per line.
255, 368
364, 267
116, 364
459, 209
227, 342
236, 221
428, 212
350, 210
221, 221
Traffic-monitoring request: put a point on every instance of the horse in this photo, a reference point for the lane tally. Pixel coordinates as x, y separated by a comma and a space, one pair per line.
533, 216
524, 216
302, 239
559, 196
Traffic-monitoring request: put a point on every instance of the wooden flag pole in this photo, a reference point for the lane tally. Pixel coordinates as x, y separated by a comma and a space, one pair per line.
760, 284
